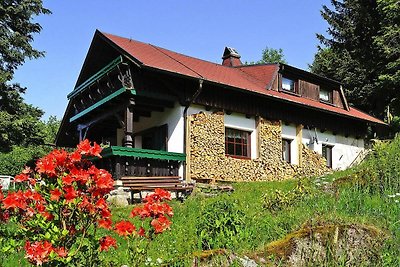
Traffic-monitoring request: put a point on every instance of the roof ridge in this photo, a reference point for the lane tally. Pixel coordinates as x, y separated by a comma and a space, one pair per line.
169, 50
160, 50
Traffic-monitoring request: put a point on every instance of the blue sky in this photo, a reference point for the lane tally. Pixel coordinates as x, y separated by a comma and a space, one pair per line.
197, 28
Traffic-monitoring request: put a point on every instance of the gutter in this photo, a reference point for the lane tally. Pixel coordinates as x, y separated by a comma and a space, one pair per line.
192, 99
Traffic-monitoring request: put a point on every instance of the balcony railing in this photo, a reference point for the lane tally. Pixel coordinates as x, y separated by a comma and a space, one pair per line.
125, 161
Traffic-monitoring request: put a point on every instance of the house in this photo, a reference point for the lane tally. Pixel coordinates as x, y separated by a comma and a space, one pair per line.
162, 113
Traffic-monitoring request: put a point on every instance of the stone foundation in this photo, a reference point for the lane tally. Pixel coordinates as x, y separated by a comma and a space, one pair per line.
208, 160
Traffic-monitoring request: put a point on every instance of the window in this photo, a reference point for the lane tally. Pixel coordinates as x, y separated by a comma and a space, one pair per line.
286, 150
325, 95
327, 154
237, 143
288, 84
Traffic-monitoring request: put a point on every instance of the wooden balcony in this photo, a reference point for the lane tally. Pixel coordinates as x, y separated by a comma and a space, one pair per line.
126, 161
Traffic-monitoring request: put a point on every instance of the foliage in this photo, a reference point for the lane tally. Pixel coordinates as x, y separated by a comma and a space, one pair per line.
270, 55
19, 122
17, 34
277, 200
154, 216
58, 219
13, 161
220, 224
62, 207
362, 51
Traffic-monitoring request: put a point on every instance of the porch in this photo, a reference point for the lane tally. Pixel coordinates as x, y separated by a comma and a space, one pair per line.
127, 162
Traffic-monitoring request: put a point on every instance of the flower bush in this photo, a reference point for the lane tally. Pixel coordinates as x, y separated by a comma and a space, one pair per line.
63, 205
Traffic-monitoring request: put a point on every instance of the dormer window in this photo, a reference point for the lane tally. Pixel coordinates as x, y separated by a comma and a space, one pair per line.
325, 95
288, 84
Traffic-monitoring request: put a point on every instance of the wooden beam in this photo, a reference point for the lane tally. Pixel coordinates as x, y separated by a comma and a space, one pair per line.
299, 139
98, 75
128, 140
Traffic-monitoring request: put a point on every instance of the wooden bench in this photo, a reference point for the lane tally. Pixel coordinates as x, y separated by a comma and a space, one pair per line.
169, 183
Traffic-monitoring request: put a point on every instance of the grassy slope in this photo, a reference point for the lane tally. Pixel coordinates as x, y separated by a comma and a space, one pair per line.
354, 202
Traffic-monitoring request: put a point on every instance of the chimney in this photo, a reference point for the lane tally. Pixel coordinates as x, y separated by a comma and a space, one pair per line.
231, 57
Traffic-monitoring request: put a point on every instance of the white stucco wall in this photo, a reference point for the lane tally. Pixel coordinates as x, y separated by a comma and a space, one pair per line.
172, 117
344, 151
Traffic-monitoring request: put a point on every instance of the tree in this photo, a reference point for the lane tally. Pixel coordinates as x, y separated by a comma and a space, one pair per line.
270, 55
16, 34
361, 50
19, 122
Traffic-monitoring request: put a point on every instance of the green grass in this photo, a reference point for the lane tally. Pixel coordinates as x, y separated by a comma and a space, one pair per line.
261, 226
361, 198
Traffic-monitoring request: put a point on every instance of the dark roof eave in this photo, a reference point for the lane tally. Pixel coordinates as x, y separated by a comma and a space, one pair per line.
258, 94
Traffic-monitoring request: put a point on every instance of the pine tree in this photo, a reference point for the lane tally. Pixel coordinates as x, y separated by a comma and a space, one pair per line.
356, 51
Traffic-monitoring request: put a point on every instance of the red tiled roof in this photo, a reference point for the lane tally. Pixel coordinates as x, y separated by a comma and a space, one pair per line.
257, 78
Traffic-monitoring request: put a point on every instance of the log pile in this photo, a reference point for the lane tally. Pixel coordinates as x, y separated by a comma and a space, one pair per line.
209, 162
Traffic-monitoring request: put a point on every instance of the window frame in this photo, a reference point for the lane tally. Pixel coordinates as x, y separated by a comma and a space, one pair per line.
330, 96
328, 154
295, 85
289, 149
245, 146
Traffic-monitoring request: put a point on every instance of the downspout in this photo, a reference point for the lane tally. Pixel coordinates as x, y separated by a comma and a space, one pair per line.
192, 99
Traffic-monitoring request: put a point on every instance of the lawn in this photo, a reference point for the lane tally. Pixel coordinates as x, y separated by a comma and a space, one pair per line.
245, 222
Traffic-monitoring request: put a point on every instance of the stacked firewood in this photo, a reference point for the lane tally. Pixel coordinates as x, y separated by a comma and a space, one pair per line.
209, 162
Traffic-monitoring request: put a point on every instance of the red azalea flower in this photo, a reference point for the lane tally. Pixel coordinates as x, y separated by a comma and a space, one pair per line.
46, 165
55, 194
61, 252
38, 252
40, 207
15, 200
47, 215
142, 211
87, 205
21, 178
160, 224
104, 180
124, 228
60, 156
106, 242
75, 156
27, 170
142, 232
95, 150
84, 147
70, 193
101, 204
67, 180
33, 195
105, 213
105, 223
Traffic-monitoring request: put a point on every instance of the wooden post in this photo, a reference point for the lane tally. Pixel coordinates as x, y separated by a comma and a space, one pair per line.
299, 139
128, 140
187, 136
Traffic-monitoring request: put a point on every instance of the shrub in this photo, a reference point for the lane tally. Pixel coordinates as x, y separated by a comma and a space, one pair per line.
221, 224
59, 218
277, 200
